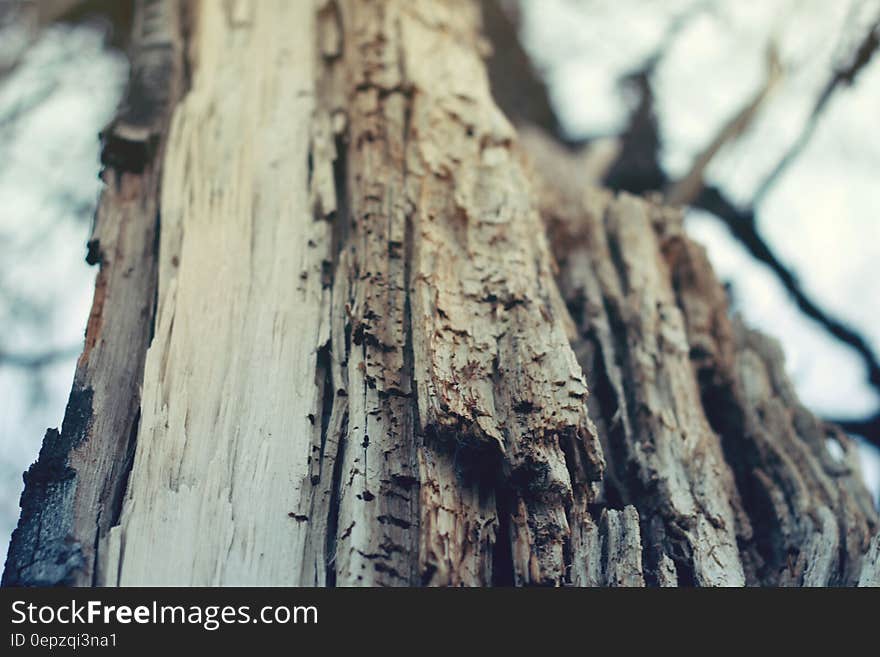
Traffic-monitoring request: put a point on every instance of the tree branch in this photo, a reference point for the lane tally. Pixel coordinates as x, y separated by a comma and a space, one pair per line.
741, 224
38, 360
841, 77
687, 188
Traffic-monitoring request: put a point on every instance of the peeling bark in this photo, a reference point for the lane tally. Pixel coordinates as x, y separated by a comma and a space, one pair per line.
699, 423
370, 365
413, 287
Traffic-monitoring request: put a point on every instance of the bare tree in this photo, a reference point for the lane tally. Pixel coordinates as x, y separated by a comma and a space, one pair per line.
353, 328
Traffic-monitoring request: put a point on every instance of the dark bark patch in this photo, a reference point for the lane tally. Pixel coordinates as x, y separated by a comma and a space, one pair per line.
41, 552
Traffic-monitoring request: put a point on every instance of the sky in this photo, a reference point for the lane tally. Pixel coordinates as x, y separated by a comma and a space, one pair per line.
822, 217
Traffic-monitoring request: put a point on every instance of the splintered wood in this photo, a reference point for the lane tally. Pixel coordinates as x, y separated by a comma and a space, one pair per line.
361, 366
364, 372
222, 449
379, 313
702, 431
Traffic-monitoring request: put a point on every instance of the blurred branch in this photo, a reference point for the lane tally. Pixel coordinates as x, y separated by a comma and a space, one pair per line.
741, 223
642, 172
38, 360
841, 77
521, 93
516, 86
27, 105
28, 17
637, 168
693, 190
688, 188
867, 428
48, 11
25, 19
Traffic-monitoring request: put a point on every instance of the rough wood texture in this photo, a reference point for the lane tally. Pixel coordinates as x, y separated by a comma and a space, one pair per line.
73, 491
370, 364
498, 389
732, 477
870, 575
223, 441
440, 390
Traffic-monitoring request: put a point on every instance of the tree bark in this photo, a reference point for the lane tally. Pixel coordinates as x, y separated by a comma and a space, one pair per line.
733, 478
73, 492
378, 312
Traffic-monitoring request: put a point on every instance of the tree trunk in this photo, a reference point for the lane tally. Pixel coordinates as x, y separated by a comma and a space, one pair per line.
358, 347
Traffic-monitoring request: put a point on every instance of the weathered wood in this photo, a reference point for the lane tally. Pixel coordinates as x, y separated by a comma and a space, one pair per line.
408, 339
229, 380
370, 364
702, 430
809, 510
870, 575
73, 491
610, 553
